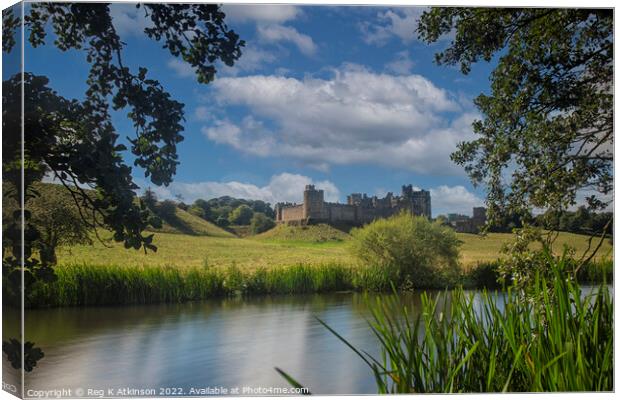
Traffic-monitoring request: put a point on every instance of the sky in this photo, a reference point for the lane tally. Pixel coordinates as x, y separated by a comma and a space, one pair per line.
345, 98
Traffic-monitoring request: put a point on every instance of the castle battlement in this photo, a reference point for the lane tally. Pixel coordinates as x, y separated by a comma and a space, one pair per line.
359, 209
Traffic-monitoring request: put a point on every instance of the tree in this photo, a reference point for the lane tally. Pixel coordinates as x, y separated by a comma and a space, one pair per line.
241, 215
261, 223
75, 141
222, 222
149, 198
57, 218
546, 132
167, 210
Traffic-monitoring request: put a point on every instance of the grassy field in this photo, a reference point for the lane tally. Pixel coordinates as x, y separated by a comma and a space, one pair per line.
282, 247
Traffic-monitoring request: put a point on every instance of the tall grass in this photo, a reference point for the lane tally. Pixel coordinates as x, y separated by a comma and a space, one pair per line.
85, 284
82, 285
464, 343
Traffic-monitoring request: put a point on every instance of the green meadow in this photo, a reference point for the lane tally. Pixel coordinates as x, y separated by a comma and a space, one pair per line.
199, 243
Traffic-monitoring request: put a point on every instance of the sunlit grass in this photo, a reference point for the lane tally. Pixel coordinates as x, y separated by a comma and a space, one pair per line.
183, 251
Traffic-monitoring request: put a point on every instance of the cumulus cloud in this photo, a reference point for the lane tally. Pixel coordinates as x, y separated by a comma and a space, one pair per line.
252, 59
398, 22
285, 187
261, 13
454, 199
129, 20
356, 117
181, 68
281, 33
401, 65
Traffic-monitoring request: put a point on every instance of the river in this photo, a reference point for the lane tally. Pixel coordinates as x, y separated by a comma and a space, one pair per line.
222, 344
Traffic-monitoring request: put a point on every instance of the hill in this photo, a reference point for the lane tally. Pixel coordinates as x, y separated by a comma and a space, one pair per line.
189, 224
311, 233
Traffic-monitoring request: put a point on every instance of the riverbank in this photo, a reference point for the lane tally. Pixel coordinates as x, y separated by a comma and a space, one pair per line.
89, 285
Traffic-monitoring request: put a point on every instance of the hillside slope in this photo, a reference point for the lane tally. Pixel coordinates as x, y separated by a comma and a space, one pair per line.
189, 224
310, 233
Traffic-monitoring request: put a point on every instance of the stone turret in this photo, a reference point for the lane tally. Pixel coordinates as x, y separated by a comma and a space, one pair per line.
313, 203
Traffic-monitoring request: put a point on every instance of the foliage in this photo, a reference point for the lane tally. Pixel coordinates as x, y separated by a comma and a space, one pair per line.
166, 210
579, 221
417, 249
222, 221
261, 223
75, 141
13, 350
57, 219
485, 343
548, 120
149, 198
241, 215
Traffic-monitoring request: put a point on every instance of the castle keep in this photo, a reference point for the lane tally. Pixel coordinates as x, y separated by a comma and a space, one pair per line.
360, 209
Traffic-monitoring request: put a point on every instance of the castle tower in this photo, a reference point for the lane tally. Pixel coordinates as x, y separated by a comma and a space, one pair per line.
313, 203
278, 212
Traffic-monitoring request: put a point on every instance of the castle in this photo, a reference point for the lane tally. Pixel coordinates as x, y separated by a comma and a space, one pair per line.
360, 209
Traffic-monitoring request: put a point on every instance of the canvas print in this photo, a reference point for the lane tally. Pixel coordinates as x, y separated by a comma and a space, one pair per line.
211, 199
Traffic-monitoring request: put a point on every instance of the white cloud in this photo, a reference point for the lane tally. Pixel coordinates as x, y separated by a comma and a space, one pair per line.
280, 33
261, 13
399, 22
355, 117
202, 113
129, 20
252, 59
285, 187
401, 65
453, 199
181, 68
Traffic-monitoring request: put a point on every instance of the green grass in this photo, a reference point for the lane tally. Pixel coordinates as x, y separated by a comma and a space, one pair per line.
464, 343
320, 233
283, 246
82, 285
186, 223
476, 249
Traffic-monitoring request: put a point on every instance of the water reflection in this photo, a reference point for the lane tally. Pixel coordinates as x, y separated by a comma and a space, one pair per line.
229, 342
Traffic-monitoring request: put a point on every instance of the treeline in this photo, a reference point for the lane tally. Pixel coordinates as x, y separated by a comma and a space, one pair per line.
581, 221
223, 211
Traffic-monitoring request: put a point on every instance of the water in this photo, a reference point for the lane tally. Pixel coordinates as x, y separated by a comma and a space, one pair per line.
227, 343
218, 343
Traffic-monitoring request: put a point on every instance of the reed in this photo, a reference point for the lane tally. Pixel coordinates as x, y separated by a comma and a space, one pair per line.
496, 342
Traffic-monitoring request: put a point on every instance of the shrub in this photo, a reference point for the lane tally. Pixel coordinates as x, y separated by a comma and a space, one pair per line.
260, 223
421, 253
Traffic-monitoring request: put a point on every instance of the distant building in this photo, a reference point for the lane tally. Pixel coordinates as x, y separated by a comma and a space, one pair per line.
360, 209
470, 225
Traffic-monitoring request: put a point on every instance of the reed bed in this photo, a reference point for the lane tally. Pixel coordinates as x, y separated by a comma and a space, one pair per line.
85, 284
491, 343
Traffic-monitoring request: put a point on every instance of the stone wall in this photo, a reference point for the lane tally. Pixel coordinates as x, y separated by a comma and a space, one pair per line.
340, 212
360, 209
292, 213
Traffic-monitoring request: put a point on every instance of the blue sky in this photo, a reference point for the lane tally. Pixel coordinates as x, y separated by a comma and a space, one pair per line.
343, 97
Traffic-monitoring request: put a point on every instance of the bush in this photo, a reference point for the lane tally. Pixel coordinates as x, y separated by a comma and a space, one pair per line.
421, 253
261, 223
